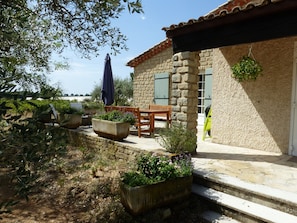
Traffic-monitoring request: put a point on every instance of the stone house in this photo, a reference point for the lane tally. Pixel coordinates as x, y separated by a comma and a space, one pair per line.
258, 114
156, 82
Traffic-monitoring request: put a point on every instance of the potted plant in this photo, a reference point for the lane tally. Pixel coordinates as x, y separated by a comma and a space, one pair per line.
41, 110
69, 117
246, 69
178, 139
156, 181
113, 125
92, 108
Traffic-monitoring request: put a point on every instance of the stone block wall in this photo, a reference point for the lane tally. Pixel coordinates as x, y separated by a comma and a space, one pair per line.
184, 98
143, 83
110, 149
205, 60
183, 69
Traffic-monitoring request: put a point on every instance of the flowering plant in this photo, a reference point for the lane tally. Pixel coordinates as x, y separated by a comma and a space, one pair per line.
117, 116
153, 169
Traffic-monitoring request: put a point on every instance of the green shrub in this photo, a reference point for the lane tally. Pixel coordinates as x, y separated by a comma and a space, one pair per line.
178, 139
27, 146
152, 169
117, 116
246, 69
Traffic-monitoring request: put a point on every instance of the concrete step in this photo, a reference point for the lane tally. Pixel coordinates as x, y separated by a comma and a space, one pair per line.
214, 217
260, 194
254, 212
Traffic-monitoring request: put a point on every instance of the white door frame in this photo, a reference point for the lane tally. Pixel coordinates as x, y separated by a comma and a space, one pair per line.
293, 128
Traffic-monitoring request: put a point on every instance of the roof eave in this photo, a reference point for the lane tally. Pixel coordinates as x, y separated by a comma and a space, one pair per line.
251, 17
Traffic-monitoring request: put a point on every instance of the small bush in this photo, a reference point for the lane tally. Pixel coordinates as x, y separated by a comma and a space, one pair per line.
246, 69
153, 169
117, 116
178, 139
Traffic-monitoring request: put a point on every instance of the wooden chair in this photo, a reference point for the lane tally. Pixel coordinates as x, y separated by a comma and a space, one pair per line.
143, 124
162, 117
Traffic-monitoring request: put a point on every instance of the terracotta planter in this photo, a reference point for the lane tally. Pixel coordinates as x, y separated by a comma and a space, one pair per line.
140, 199
111, 130
70, 121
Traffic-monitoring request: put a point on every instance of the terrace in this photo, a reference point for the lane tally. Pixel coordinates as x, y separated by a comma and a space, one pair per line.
242, 182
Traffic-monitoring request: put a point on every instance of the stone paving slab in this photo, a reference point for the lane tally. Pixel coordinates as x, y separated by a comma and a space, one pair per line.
254, 166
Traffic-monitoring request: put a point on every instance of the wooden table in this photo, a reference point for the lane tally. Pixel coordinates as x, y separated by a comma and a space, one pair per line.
152, 112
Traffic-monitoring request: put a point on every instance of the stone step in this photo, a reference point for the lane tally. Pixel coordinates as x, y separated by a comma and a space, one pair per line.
274, 198
246, 210
214, 217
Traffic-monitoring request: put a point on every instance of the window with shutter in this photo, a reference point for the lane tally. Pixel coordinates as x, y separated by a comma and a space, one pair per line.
161, 89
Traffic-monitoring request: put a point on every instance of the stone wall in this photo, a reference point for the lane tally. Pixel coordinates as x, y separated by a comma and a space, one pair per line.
183, 69
184, 98
143, 83
111, 149
205, 60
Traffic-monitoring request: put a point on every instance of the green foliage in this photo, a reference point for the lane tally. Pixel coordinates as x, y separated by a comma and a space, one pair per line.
177, 139
96, 93
63, 107
33, 31
93, 105
42, 110
246, 69
152, 169
69, 110
117, 116
26, 147
47, 92
17, 106
123, 92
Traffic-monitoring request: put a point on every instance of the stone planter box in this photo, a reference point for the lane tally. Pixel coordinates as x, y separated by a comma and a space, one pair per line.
70, 121
111, 130
140, 199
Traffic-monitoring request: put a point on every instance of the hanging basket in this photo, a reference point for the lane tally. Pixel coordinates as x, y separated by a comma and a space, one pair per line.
246, 69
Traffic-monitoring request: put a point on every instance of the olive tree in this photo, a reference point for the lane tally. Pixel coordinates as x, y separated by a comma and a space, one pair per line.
123, 91
32, 30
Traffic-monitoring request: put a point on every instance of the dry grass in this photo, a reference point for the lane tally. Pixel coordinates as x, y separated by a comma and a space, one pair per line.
83, 187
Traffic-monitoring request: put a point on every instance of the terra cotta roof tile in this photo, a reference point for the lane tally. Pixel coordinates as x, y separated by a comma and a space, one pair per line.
230, 7
150, 53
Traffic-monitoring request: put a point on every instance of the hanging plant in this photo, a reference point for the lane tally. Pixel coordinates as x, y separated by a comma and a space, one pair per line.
246, 69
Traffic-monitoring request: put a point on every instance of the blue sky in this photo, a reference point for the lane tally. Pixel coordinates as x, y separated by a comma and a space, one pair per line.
143, 32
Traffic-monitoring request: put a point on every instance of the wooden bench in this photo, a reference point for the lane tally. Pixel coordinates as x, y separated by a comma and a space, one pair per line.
162, 117
142, 123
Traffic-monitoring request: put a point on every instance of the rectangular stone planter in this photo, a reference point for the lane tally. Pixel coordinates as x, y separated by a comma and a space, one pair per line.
111, 130
141, 199
70, 121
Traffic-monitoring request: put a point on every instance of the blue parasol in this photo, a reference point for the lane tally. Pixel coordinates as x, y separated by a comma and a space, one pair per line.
107, 91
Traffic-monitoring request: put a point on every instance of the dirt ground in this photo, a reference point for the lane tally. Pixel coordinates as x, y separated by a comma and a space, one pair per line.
82, 187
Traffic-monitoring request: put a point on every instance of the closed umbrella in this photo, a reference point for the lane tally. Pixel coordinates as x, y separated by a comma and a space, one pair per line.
107, 90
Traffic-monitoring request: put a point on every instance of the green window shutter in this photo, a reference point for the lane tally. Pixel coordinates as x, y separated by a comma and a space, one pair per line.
208, 87
161, 86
